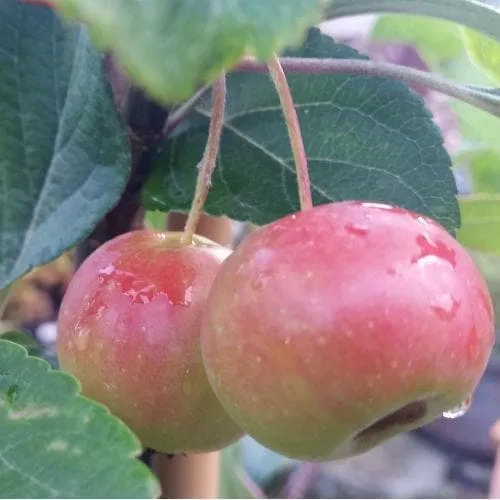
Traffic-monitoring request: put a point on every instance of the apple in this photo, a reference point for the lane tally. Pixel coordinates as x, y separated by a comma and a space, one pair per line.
333, 329
129, 330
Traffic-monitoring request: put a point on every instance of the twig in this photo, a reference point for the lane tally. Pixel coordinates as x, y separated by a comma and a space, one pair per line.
476, 96
183, 111
209, 160
293, 125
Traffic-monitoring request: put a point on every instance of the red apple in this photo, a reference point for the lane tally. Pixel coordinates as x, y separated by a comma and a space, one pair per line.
129, 330
333, 329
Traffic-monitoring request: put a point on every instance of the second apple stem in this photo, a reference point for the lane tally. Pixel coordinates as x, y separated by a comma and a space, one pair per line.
292, 122
209, 160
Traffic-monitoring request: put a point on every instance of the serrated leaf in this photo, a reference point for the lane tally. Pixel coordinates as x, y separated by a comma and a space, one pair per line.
480, 224
484, 51
178, 45
366, 138
156, 220
481, 211
438, 41
57, 444
479, 15
24, 339
484, 167
64, 158
32, 345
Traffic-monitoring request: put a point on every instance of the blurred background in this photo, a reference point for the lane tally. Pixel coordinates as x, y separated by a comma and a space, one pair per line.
446, 459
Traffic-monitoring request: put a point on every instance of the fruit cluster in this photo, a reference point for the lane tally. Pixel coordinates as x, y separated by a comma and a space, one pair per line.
321, 335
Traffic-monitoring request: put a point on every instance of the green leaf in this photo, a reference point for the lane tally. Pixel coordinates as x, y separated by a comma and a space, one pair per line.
64, 159
476, 125
57, 444
24, 339
32, 345
177, 45
481, 211
480, 224
438, 41
234, 481
366, 138
484, 51
476, 14
484, 167
156, 220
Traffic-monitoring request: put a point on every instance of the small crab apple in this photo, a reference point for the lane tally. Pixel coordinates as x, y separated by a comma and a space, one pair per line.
333, 329
129, 330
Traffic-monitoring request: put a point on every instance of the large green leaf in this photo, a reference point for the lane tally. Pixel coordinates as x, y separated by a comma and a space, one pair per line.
57, 444
63, 155
481, 224
476, 125
476, 14
171, 47
442, 46
366, 138
438, 41
484, 51
481, 211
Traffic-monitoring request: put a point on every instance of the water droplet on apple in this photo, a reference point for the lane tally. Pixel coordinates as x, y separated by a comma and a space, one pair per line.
459, 410
380, 206
435, 249
82, 338
357, 229
188, 296
445, 307
108, 270
422, 221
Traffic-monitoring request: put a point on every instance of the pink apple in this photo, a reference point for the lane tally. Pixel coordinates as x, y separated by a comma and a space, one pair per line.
333, 329
129, 330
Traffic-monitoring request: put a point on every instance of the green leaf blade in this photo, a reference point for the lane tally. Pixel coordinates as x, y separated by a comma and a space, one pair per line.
366, 138
484, 52
64, 159
179, 45
475, 14
57, 444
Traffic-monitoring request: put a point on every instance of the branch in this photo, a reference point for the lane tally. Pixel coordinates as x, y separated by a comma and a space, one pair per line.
178, 116
480, 97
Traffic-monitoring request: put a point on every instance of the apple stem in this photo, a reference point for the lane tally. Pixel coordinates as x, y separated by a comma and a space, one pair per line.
292, 122
209, 160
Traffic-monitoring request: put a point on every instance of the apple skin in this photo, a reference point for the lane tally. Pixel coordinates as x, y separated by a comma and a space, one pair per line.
331, 330
129, 330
